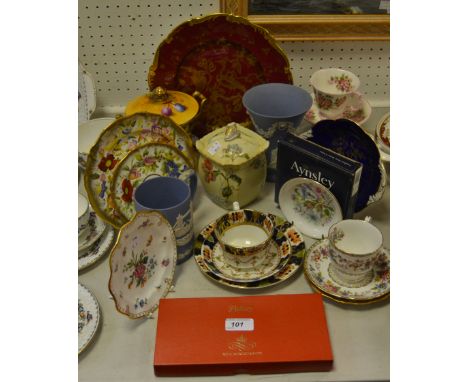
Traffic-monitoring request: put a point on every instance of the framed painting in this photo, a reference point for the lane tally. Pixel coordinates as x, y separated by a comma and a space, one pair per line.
316, 19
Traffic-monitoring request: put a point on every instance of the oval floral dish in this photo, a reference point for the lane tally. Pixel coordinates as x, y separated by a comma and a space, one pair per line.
142, 264
88, 317
151, 159
310, 205
114, 143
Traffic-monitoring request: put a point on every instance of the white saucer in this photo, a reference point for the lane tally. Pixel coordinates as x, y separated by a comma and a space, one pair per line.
89, 131
97, 250
94, 231
317, 262
310, 205
357, 110
88, 317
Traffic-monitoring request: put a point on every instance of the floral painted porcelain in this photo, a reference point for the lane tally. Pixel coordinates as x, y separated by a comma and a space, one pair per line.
92, 233
284, 233
277, 257
316, 268
221, 56
382, 137
114, 143
332, 88
142, 264
347, 138
147, 160
357, 109
354, 247
178, 106
88, 317
97, 250
86, 94
232, 165
310, 205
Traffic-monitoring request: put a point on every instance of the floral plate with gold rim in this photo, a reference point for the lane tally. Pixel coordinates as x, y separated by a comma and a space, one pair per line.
310, 205
317, 262
88, 317
222, 56
142, 264
150, 159
278, 253
97, 250
113, 145
94, 231
284, 232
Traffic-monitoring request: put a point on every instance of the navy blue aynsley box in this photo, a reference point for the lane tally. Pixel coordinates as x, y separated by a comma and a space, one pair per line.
298, 157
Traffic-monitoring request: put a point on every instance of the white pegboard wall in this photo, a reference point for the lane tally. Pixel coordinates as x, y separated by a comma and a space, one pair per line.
118, 39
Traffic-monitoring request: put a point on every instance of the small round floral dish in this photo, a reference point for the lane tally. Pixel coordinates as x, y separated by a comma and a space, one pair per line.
142, 264
310, 205
347, 138
153, 159
316, 269
88, 317
97, 250
286, 236
92, 233
357, 109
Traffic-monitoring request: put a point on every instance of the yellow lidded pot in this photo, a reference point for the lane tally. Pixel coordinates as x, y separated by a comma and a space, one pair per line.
232, 165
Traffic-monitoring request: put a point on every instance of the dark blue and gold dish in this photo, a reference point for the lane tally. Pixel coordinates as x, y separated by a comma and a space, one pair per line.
347, 138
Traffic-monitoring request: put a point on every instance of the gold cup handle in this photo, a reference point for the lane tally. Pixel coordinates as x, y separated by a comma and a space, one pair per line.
201, 99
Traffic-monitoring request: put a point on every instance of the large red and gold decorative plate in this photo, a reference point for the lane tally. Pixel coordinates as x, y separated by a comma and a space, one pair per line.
221, 56
113, 145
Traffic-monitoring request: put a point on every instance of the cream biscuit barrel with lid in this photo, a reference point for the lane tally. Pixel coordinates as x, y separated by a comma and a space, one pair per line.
232, 165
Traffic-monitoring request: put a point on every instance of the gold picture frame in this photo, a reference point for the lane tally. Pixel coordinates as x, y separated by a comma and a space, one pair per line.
315, 27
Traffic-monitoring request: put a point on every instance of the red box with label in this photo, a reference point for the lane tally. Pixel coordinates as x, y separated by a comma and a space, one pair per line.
252, 334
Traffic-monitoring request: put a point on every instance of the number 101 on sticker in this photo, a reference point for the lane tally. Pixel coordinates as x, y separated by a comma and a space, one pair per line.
239, 324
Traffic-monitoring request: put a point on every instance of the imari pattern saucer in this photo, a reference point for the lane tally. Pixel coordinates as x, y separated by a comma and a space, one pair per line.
94, 231
316, 268
88, 317
310, 205
277, 257
284, 232
142, 264
97, 250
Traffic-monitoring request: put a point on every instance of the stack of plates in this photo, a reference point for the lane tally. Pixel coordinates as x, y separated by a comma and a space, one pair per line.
126, 152
96, 243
